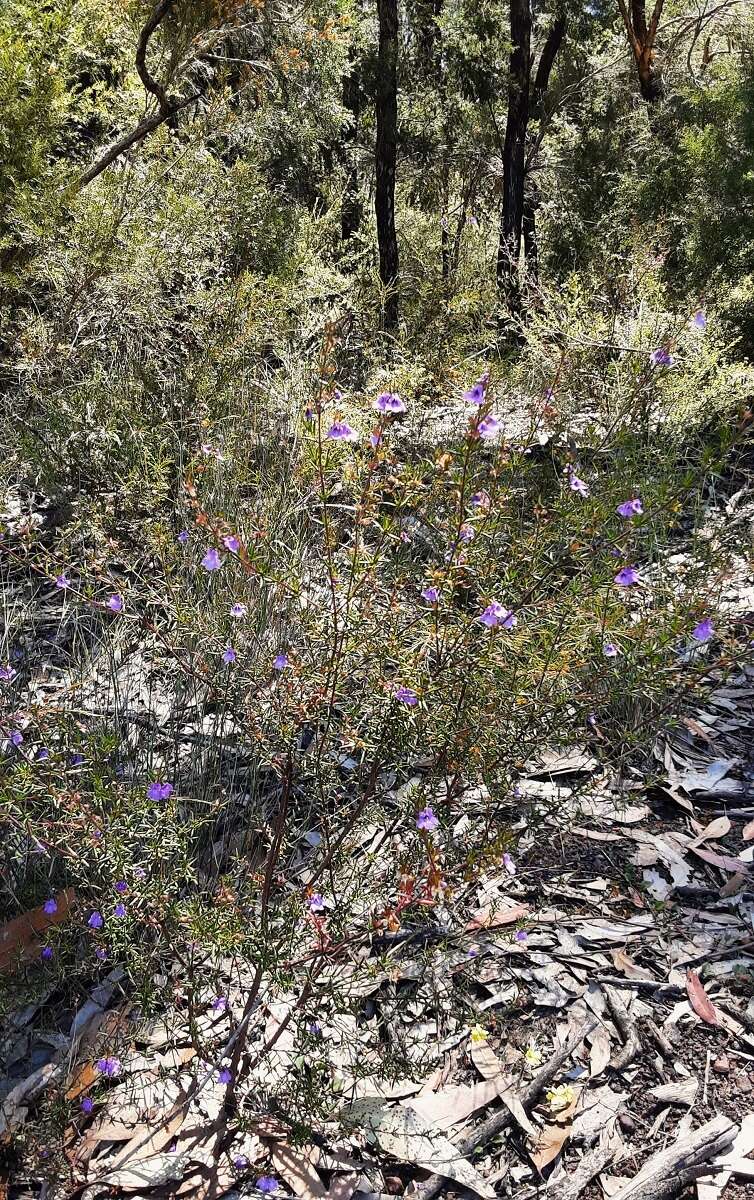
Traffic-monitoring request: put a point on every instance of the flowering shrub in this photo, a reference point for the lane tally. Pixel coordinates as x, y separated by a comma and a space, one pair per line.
334, 636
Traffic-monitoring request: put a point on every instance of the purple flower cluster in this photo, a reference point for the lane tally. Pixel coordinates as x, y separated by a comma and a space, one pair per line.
496, 615
159, 790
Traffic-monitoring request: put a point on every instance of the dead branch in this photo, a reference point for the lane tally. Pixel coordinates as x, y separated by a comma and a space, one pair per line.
169, 106
667, 1172
625, 1025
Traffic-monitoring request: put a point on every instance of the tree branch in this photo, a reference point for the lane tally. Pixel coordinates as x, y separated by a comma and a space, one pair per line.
130, 139
151, 85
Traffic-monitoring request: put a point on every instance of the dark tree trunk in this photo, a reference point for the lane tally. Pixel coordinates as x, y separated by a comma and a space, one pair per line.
351, 209
536, 112
514, 154
385, 156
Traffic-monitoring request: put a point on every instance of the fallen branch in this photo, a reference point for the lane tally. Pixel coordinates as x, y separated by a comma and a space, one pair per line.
503, 1118
591, 1165
626, 1027
667, 1172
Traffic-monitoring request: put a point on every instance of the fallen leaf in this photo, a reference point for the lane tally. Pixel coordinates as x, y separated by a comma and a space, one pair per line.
149, 1173
724, 861
342, 1187
512, 1102
699, 1000
296, 1165
748, 831
551, 1141
490, 917
600, 1051
401, 1133
716, 829
19, 937
626, 965
485, 1060
450, 1105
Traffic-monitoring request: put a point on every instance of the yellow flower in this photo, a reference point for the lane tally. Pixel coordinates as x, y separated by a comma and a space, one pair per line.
478, 1034
532, 1055
560, 1097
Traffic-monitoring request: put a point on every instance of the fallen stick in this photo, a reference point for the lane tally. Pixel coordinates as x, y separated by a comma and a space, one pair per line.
503, 1117
591, 1164
667, 1172
626, 1028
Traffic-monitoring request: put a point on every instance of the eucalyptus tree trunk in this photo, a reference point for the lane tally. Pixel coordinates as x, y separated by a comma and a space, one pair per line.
642, 36
385, 156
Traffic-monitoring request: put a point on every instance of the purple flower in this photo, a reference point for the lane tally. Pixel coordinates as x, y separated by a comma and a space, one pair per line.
389, 403
309, 414
50, 906
76, 759
577, 485
100, 953
467, 533
480, 500
229, 656
610, 650
159, 791
495, 614
316, 902
96, 920
183, 536
224, 1076
509, 864
405, 695
238, 610
110, 1066
476, 394
630, 508
87, 1104
427, 820
375, 438
703, 631
661, 358
699, 320
115, 603
267, 1184
212, 560
431, 595
7, 674
47, 952
119, 910
121, 887
62, 581
627, 577
341, 431
232, 543
521, 935
219, 1004
42, 754
139, 873
280, 662
489, 427
16, 737
241, 1162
